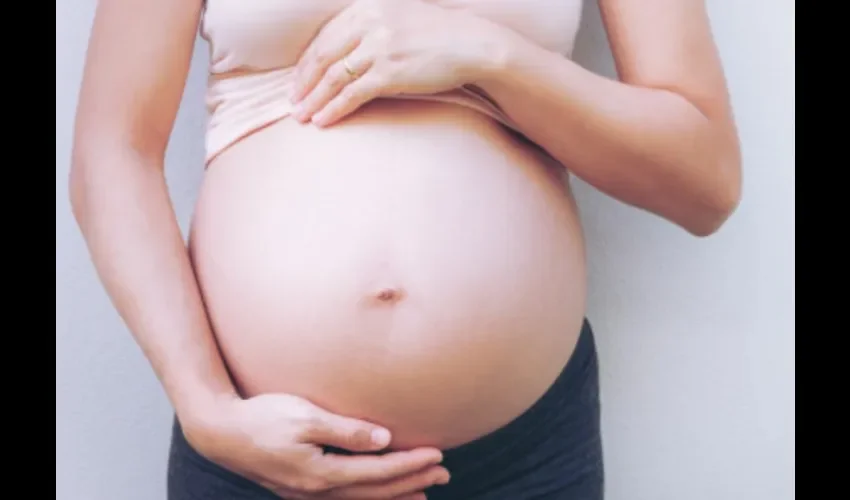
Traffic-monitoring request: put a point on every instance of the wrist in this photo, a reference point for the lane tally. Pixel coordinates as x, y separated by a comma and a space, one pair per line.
206, 419
203, 406
497, 48
478, 47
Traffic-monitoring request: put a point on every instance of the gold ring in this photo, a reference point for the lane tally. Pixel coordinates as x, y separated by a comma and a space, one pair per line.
347, 66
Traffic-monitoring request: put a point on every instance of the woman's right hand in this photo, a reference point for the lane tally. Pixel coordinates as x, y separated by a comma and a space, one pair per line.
277, 441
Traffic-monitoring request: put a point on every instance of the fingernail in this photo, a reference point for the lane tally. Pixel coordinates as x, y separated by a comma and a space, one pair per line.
444, 480
381, 437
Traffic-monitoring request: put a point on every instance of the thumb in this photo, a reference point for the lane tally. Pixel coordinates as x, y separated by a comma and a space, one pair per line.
347, 433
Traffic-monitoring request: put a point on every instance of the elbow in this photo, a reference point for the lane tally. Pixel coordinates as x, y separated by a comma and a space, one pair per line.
720, 198
84, 177
77, 186
710, 218
83, 163
98, 166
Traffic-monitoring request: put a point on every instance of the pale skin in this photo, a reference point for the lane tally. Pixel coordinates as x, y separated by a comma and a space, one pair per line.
662, 139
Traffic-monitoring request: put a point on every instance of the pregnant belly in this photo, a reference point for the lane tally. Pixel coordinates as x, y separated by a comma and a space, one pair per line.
415, 266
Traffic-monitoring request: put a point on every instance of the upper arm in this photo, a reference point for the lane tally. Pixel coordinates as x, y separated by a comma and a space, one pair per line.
136, 67
668, 44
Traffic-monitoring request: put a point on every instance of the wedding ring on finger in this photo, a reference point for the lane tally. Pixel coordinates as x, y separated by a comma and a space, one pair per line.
348, 69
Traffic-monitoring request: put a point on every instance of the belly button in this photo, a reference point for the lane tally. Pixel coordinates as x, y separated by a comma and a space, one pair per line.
389, 295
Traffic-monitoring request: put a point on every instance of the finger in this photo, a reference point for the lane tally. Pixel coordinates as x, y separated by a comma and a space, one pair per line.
335, 79
340, 470
339, 27
349, 99
413, 496
346, 433
336, 39
407, 486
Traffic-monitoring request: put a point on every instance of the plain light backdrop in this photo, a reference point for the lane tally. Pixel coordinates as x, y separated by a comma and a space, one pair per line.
696, 336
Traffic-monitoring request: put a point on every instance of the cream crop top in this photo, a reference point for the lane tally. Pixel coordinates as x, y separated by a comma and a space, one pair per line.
254, 44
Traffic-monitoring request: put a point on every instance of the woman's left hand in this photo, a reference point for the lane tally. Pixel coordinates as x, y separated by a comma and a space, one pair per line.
376, 48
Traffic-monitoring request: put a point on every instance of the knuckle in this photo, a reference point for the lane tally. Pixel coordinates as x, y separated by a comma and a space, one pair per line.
320, 56
375, 12
311, 422
347, 436
360, 437
304, 425
396, 56
383, 35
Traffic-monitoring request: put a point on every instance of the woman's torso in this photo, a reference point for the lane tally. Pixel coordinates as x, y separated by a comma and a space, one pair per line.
416, 265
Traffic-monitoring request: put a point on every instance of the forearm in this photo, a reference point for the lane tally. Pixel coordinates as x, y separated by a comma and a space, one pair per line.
650, 148
125, 214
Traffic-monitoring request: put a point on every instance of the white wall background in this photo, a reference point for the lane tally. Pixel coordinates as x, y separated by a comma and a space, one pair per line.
696, 336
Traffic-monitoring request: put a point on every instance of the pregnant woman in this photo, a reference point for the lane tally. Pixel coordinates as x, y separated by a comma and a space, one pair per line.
383, 294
